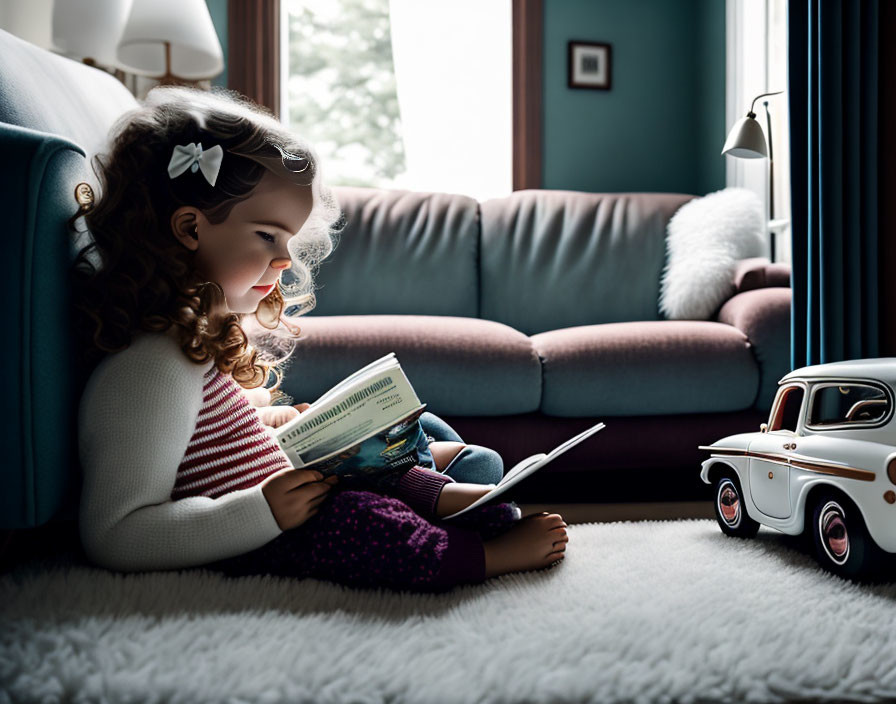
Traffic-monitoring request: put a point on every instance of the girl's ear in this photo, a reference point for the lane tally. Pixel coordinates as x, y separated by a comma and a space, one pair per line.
185, 226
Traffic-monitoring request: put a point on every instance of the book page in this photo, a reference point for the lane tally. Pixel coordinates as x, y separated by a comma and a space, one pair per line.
373, 451
370, 400
370, 370
524, 468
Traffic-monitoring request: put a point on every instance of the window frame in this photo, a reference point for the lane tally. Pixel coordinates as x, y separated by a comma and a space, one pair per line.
782, 392
527, 40
253, 51
751, 69
248, 66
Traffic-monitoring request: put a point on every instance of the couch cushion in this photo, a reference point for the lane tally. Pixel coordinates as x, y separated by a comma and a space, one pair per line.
646, 368
763, 315
758, 272
459, 366
557, 259
402, 253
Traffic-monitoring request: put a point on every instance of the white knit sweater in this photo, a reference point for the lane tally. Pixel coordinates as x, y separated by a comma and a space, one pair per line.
136, 419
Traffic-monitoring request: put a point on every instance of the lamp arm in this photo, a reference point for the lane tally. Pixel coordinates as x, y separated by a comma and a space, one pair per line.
778, 92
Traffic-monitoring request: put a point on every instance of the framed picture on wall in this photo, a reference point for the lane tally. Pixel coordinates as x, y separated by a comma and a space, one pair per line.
589, 65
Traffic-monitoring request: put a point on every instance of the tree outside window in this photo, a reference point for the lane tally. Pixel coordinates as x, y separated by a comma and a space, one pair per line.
403, 94
341, 93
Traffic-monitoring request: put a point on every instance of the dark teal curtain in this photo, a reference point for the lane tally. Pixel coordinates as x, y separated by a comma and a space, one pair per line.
833, 98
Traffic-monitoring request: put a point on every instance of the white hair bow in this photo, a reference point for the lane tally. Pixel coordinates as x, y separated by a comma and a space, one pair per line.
191, 156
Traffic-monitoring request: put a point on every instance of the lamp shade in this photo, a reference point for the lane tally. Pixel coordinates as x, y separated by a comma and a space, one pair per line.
195, 50
746, 139
89, 28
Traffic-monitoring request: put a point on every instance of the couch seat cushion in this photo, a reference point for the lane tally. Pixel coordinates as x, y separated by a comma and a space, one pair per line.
458, 366
646, 368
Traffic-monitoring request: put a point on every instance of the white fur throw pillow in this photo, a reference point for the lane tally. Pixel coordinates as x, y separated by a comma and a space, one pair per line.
704, 241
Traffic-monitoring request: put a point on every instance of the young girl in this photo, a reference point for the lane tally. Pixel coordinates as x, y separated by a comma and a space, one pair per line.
205, 201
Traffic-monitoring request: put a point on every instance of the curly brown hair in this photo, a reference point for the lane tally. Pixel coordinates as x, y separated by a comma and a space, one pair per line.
145, 280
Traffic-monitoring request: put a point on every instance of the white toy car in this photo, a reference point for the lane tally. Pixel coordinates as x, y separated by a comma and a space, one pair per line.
826, 461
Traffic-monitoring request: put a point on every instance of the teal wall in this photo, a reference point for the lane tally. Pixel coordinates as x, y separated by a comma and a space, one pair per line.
218, 10
661, 126
710, 67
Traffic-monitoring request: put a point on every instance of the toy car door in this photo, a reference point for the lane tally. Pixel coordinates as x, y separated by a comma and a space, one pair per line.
837, 412
770, 454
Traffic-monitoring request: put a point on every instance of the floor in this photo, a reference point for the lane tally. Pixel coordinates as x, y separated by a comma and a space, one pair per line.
659, 611
611, 512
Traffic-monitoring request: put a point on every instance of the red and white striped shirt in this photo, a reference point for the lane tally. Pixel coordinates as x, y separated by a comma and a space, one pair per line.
230, 448
139, 434
173, 456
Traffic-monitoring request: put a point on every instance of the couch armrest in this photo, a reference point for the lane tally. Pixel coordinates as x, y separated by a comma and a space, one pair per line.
763, 315
759, 272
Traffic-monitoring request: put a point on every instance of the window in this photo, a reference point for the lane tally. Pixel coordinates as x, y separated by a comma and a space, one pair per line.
757, 63
843, 404
786, 413
340, 91
402, 94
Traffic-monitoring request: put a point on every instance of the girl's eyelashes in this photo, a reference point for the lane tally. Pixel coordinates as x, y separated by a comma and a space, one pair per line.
268, 237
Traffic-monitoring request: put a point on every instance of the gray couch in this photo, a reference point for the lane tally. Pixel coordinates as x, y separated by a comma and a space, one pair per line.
519, 320
523, 320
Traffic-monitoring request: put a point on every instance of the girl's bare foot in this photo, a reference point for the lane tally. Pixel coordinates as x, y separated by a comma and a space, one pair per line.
536, 541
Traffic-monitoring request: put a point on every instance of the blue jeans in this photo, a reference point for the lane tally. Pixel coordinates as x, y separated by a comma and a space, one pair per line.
474, 464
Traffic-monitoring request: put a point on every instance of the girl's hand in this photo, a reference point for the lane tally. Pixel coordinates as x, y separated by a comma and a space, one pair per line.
275, 416
295, 495
258, 396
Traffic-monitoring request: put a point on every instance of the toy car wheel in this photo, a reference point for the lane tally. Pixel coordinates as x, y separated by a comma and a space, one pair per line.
730, 511
842, 543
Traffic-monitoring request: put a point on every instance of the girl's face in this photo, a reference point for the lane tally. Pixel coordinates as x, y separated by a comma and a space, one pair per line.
247, 252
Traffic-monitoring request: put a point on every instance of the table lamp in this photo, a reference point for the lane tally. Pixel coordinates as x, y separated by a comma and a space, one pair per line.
89, 29
171, 41
747, 141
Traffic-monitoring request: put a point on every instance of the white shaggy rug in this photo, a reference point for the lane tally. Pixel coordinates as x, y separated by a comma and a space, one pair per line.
638, 612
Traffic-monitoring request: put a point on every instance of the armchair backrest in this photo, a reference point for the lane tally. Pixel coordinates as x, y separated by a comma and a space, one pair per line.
54, 112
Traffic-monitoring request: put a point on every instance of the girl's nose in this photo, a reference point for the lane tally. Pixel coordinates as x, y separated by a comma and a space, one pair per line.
281, 263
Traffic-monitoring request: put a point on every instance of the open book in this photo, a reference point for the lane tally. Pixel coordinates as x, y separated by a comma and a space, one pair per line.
524, 468
366, 423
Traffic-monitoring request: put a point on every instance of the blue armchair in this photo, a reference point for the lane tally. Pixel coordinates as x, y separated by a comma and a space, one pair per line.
54, 113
